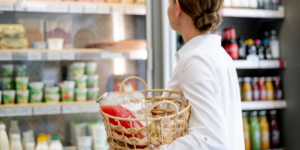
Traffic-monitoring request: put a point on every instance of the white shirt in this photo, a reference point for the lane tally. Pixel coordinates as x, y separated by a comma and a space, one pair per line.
206, 75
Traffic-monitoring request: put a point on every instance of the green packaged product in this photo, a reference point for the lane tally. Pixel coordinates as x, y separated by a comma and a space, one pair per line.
91, 68
81, 95
52, 94
22, 96
13, 43
21, 70
93, 94
22, 83
7, 70
92, 81
9, 96
36, 92
81, 82
79, 69
11, 30
67, 91
7, 84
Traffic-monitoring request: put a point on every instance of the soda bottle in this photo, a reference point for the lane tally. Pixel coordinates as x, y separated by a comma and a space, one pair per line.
247, 89
255, 89
262, 89
232, 48
264, 130
269, 89
246, 131
255, 131
274, 132
277, 90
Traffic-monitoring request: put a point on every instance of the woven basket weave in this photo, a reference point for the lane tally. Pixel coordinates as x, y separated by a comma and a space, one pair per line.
163, 128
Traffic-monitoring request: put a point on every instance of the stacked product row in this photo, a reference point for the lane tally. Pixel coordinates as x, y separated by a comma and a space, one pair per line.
254, 4
259, 133
239, 48
15, 85
260, 89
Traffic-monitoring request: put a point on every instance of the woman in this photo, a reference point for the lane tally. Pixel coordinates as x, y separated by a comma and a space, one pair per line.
206, 75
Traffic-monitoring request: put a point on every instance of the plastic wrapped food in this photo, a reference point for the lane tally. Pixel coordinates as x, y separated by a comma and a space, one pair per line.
13, 43
11, 30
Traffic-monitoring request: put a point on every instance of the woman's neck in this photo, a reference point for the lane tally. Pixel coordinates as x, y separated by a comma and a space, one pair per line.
190, 34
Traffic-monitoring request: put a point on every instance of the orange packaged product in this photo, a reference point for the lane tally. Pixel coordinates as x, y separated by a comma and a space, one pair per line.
269, 89
247, 89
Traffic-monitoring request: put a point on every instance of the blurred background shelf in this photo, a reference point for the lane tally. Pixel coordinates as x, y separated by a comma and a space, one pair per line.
253, 13
73, 7
259, 64
70, 54
263, 105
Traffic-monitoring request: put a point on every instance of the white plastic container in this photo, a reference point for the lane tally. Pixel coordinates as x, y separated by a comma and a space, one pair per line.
4, 143
274, 45
16, 142
55, 43
55, 144
42, 144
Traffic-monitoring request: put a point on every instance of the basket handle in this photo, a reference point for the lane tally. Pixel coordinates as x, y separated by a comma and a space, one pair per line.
161, 102
129, 78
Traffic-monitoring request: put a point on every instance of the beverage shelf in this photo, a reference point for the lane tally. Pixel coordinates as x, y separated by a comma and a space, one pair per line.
253, 13
259, 64
264, 105
72, 7
70, 54
48, 108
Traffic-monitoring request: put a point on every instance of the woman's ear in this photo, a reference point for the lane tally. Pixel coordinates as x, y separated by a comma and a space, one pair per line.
178, 9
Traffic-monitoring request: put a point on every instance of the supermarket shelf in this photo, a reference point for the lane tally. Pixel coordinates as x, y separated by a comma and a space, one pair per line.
253, 13
48, 109
263, 105
259, 64
70, 54
73, 7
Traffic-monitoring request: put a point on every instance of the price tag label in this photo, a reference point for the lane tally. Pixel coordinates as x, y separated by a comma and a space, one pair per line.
135, 10
118, 9
52, 110
68, 109
25, 111
79, 109
110, 55
54, 56
6, 6
93, 108
5, 56
90, 9
8, 112
20, 6
104, 10
76, 9
59, 8
140, 54
40, 111
34, 56
68, 56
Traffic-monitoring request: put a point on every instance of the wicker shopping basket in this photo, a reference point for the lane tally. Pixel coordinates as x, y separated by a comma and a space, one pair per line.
167, 124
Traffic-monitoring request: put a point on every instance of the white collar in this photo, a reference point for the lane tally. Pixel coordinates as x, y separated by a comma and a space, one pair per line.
198, 40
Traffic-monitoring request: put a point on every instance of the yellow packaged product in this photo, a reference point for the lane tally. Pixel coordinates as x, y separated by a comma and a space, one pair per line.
11, 30
13, 43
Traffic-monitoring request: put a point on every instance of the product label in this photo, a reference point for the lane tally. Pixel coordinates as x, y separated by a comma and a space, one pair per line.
5, 56
5, 6
34, 56
51, 110
247, 96
68, 56
233, 51
90, 9
40, 110
36, 96
270, 95
76, 9
265, 136
255, 95
246, 135
54, 56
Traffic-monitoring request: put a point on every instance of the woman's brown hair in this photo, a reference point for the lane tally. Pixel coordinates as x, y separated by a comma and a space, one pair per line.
205, 13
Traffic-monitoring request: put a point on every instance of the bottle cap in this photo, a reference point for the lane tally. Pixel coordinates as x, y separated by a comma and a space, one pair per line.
245, 114
15, 136
257, 42
250, 42
265, 41
2, 126
254, 113
55, 138
41, 139
273, 32
247, 79
269, 79
262, 113
273, 112
48, 136
240, 79
42, 134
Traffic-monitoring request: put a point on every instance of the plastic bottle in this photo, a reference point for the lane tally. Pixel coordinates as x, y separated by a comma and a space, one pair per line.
14, 128
269, 89
42, 143
251, 47
267, 4
246, 130
253, 4
277, 90
15, 142
242, 48
255, 89
247, 89
28, 140
4, 142
265, 43
275, 4
260, 49
264, 130
274, 45
55, 144
233, 48
274, 130
262, 89
255, 132
260, 4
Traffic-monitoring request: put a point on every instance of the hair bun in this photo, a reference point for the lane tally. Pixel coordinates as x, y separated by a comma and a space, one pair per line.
208, 21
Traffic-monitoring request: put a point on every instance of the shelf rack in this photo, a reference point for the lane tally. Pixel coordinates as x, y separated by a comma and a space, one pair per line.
264, 105
259, 64
253, 13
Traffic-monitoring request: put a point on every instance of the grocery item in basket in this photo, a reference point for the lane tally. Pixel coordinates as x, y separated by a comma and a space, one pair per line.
52, 94
92, 81
81, 82
7, 84
7, 70
21, 83
79, 68
93, 94
81, 94
21, 70
91, 68
13, 43
9, 96
36, 92
22, 96
11, 30
67, 91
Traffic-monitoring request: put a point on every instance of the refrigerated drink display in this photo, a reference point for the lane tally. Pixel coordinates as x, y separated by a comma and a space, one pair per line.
269, 89
264, 130
255, 89
247, 89
246, 130
274, 130
255, 131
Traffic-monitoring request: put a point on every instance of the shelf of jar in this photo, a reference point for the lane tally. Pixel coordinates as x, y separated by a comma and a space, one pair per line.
259, 64
253, 13
48, 108
70, 54
73, 7
264, 105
